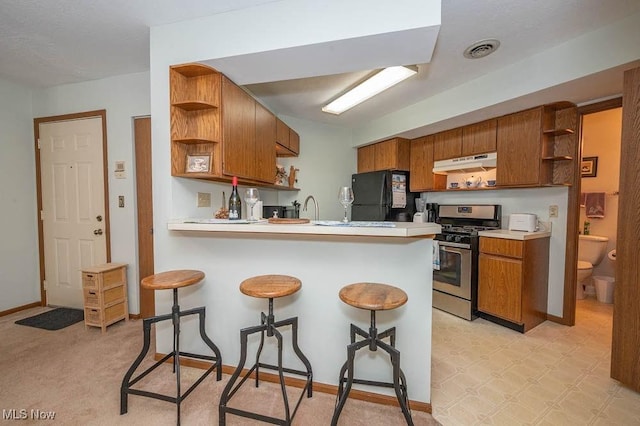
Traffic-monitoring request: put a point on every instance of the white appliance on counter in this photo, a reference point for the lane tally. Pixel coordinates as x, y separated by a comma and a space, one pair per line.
527, 222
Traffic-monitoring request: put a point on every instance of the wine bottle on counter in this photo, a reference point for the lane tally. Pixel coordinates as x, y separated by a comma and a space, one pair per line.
235, 206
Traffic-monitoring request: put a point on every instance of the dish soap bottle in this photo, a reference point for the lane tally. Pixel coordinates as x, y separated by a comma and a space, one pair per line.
585, 229
235, 207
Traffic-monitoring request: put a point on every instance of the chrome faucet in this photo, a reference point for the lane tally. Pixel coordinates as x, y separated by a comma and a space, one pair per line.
315, 203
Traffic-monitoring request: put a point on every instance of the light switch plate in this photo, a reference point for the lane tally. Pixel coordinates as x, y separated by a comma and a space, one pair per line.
204, 199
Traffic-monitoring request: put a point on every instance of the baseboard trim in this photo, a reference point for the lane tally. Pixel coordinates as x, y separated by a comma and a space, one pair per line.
20, 308
299, 383
135, 316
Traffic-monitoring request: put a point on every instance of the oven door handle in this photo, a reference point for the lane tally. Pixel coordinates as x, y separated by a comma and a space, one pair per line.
450, 250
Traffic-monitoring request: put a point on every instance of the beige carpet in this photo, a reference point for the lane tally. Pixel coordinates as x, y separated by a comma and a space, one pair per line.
76, 373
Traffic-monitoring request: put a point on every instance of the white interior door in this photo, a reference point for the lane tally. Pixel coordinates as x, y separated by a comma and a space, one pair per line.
73, 210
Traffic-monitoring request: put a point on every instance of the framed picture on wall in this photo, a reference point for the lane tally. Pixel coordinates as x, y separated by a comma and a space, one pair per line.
589, 167
198, 163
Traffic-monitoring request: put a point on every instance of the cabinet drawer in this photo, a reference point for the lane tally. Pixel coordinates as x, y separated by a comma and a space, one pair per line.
92, 316
91, 297
90, 280
100, 317
502, 247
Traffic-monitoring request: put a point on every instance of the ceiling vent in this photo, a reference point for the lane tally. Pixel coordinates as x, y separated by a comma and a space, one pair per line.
481, 48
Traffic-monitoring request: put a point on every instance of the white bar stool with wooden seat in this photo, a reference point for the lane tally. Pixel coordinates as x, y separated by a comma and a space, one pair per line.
170, 280
373, 297
267, 287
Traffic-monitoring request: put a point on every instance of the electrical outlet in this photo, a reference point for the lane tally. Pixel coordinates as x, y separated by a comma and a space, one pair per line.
121, 201
553, 211
203, 199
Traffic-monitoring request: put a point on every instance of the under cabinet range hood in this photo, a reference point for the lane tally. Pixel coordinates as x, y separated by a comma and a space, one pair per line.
472, 163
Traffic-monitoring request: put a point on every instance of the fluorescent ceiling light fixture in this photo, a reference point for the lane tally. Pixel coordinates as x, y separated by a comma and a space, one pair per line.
379, 82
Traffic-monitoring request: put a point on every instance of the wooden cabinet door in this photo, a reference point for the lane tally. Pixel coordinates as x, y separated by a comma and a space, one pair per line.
479, 138
294, 141
625, 350
447, 144
282, 133
239, 114
421, 164
500, 287
519, 148
366, 158
386, 155
265, 147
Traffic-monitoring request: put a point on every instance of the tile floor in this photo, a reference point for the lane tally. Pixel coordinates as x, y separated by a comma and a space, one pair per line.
483, 373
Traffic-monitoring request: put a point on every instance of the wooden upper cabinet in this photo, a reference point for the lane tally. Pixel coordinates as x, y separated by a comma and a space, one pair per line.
519, 148
447, 144
239, 131
392, 154
294, 141
479, 138
265, 148
421, 164
282, 133
288, 141
366, 158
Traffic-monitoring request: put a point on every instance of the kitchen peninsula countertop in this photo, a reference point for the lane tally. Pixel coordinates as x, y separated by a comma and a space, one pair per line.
388, 229
514, 235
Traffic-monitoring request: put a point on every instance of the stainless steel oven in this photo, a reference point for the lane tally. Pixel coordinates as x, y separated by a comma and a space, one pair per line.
455, 276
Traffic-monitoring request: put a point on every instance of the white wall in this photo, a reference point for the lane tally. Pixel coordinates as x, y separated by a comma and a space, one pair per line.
19, 265
601, 137
535, 201
123, 97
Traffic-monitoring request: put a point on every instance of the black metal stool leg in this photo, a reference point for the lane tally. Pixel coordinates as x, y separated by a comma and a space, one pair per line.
263, 321
203, 335
229, 390
124, 395
351, 353
301, 356
175, 316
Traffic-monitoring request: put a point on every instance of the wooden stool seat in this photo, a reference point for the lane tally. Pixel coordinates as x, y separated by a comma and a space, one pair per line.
270, 286
172, 279
373, 296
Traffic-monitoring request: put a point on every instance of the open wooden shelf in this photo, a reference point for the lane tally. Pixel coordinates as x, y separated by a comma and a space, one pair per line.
193, 105
558, 132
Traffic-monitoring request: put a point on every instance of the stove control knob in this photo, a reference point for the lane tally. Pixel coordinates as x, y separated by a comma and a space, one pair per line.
458, 238
449, 237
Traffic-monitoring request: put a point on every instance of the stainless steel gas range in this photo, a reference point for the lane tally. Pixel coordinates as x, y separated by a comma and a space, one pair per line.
455, 274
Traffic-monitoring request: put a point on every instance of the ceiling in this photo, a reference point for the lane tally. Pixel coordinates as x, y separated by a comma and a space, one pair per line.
45, 43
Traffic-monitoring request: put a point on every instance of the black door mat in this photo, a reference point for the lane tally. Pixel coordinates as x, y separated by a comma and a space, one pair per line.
54, 319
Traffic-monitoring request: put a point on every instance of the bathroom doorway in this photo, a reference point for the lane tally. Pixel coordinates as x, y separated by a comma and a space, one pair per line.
601, 128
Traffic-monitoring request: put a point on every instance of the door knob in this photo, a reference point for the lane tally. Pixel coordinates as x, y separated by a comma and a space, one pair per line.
97, 232
99, 218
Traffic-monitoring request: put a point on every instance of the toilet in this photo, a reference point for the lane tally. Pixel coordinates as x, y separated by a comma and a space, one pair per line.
591, 251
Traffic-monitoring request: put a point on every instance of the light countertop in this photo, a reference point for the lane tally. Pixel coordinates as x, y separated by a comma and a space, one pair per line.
514, 235
390, 229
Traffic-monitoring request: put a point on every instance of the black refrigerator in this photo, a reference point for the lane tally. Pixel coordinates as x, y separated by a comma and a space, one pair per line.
382, 195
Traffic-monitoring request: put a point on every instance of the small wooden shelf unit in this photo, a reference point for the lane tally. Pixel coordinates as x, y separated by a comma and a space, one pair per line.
105, 294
